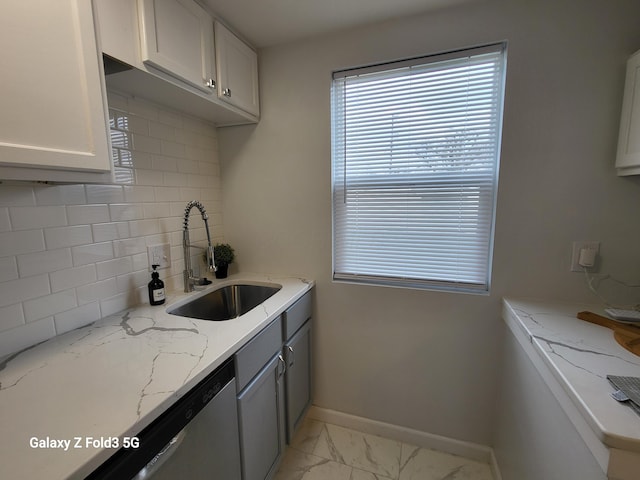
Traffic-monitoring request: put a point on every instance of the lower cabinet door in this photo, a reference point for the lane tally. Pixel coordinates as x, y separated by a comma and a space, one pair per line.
262, 424
297, 351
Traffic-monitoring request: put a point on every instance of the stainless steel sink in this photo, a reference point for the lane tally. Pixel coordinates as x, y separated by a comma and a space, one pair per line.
225, 303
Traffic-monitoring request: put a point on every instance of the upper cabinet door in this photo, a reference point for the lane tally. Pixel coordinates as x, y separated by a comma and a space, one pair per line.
52, 100
237, 66
177, 38
628, 158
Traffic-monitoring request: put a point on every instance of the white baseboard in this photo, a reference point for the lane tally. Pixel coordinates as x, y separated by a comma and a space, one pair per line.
418, 438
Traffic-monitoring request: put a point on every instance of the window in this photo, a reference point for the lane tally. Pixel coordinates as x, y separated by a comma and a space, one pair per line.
415, 153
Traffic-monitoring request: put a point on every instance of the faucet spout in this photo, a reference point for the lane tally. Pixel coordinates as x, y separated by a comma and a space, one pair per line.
189, 279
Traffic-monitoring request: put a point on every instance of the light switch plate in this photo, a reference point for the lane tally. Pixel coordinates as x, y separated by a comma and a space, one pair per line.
159, 255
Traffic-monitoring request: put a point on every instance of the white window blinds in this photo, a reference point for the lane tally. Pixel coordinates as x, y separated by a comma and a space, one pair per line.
415, 164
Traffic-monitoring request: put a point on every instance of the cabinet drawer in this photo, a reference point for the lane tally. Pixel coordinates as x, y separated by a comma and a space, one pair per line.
254, 355
296, 315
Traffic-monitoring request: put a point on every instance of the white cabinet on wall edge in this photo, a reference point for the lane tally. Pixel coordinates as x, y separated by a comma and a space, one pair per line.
167, 66
237, 66
53, 123
628, 157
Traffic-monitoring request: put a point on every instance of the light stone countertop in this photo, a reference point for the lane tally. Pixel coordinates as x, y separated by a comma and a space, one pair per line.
579, 356
113, 377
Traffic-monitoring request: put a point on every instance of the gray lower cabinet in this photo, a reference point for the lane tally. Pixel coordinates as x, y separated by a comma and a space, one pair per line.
296, 333
273, 377
297, 351
261, 409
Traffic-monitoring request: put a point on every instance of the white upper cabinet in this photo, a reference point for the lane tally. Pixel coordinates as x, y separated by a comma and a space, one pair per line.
169, 45
237, 66
118, 28
53, 104
628, 158
177, 38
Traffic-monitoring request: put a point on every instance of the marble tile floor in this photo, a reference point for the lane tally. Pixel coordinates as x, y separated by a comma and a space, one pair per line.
321, 451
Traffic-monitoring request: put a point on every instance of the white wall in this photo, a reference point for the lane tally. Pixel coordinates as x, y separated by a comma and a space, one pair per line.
421, 359
71, 254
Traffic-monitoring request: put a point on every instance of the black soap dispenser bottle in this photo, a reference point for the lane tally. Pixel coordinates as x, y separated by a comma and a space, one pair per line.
156, 288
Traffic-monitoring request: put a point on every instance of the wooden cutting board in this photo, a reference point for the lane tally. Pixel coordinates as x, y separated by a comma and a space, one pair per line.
628, 336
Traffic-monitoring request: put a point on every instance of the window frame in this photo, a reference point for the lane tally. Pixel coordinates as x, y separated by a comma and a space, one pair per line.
337, 132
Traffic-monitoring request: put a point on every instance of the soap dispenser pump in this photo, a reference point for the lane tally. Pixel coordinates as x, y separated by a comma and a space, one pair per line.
156, 288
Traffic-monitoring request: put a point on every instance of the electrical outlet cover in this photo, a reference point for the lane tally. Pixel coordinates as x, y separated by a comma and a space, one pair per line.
575, 256
159, 255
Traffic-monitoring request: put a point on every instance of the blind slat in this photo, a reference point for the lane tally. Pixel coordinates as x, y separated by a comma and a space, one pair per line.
415, 149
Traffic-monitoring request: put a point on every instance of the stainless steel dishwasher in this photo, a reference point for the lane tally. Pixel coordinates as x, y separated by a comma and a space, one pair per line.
196, 438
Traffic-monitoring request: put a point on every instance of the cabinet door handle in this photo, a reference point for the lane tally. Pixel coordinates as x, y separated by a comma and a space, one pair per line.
284, 366
291, 357
227, 92
211, 83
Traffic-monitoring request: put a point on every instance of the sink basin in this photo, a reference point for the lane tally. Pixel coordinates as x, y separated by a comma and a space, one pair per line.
225, 303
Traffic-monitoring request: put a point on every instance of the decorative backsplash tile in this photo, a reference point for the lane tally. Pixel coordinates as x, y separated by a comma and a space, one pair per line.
71, 254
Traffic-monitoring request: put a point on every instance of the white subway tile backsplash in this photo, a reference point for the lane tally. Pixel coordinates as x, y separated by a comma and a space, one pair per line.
11, 316
129, 246
29, 218
132, 281
93, 253
139, 228
187, 194
162, 131
124, 175
59, 237
171, 179
44, 262
49, 305
114, 304
72, 277
143, 108
143, 143
140, 261
170, 224
26, 335
14, 195
25, 241
172, 149
138, 124
76, 317
164, 163
167, 194
142, 161
113, 268
199, 154
170, 117
70, 254
126, 211
156, 210
139, 194
110, 231
92, 292
87, 214
60, 195
159, 239
117, 101
5, 223
105, 194
22, 289
188, 166
8, 269
146, 176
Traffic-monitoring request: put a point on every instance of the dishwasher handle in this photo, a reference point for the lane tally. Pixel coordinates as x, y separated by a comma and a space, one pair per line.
163, 455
